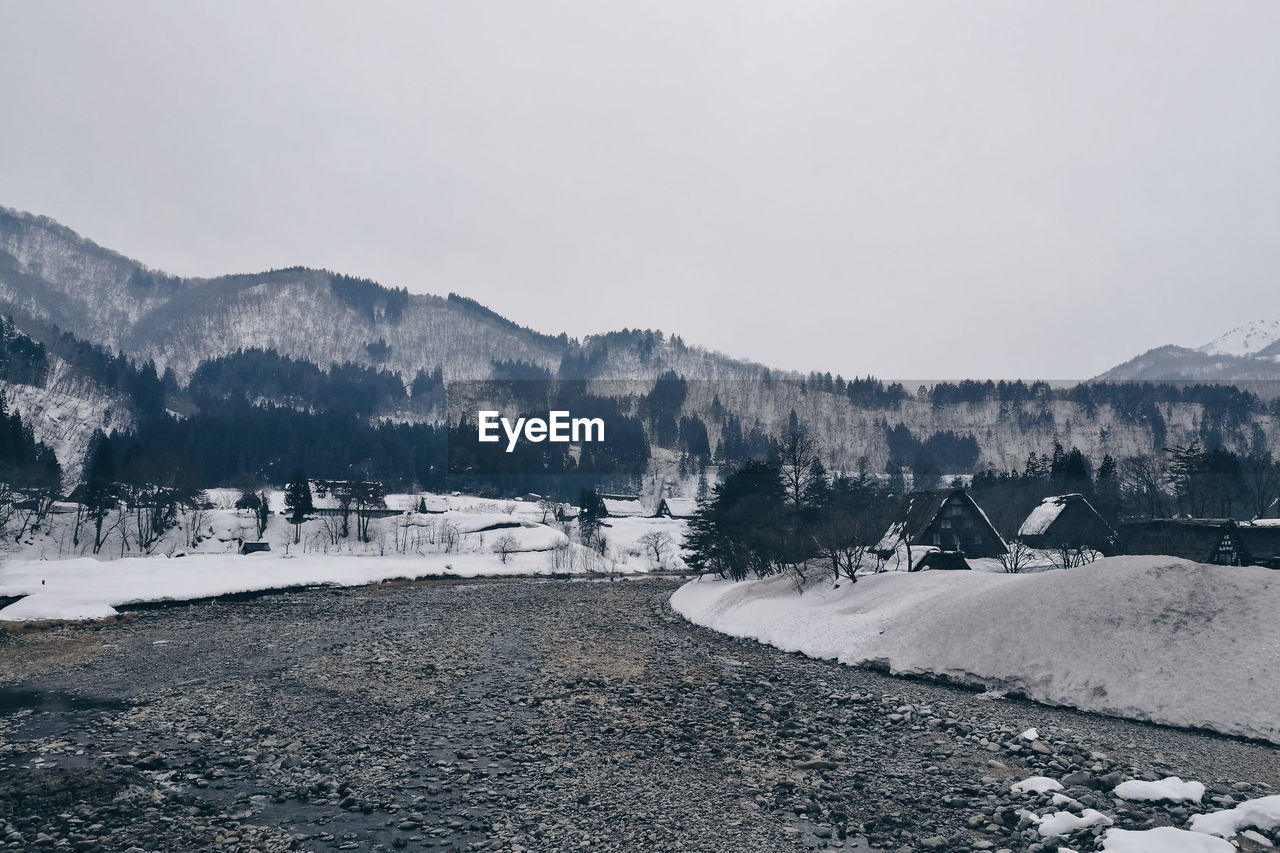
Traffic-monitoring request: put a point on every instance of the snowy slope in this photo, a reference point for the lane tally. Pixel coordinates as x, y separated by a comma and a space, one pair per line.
1248, 339
50, 273
66, 411
54, 275
1151, 638
1247, 352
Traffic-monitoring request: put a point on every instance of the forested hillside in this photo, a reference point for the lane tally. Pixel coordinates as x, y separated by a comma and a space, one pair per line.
244, 377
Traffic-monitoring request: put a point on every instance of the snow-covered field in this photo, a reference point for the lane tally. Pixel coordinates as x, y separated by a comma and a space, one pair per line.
198, 558
1150, 638
86, 588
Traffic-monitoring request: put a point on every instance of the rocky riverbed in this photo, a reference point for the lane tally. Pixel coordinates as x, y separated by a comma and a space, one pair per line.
538, 716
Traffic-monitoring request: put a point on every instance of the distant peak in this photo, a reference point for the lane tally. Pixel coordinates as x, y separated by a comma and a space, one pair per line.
1248, 339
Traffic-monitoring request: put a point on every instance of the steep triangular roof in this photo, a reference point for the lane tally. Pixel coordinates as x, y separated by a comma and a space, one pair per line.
678, 507
919, 511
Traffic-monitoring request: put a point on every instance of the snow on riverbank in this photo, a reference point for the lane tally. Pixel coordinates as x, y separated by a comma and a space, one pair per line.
91, 589
1150, 638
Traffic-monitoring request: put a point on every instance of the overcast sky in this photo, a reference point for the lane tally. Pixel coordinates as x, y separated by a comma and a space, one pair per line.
906, 189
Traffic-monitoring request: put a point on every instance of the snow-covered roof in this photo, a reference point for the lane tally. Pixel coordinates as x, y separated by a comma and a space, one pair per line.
681, 507
1271, 513
1045, 515
891, 537
621, 506
409, 502
919, 512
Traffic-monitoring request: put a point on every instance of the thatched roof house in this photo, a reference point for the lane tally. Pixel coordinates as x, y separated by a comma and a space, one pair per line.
677, 508
622, 506
1067, 521
1204, 540
943, 518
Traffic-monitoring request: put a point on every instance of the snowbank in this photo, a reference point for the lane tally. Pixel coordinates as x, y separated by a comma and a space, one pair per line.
90, 589
1152, 638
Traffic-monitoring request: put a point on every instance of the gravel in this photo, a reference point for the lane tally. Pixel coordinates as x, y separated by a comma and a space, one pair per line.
540, 716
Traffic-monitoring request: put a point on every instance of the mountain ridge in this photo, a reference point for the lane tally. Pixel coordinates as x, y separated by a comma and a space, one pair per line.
1247, 352
49, 274
159, 329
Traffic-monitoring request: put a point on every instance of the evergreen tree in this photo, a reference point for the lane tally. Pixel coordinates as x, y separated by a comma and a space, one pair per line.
299, 502
591, 510
99, 493
1106, 489
744, 527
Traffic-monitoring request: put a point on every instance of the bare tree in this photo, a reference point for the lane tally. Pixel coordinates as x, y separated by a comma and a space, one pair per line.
1143, 483
1072, 556
1017, 559
9, 512
657, 545
197, 518
1261, 475
450, 536
547, 507
505, 546
332, 527
844, 539
799, 463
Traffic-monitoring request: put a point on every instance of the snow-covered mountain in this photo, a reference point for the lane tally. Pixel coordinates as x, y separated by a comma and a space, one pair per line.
1251, 339
1248, 352
53, 276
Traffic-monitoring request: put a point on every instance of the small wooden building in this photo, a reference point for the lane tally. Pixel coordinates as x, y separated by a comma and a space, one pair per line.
1204, 540
1067, 521
254, 547
947, 519
676, 508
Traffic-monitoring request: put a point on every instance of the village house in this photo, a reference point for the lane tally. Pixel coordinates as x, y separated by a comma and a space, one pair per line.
676, 508
622, 506
1261, 538
947, 519
1067, 521
1204, 540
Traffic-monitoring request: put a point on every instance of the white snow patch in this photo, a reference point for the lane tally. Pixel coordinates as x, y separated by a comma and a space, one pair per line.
1162, 839
1146, 637
1171, 788
1036, 785
1257, 838
1045, 514
1262, 813
1065, 823
1244, 340
86, 588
